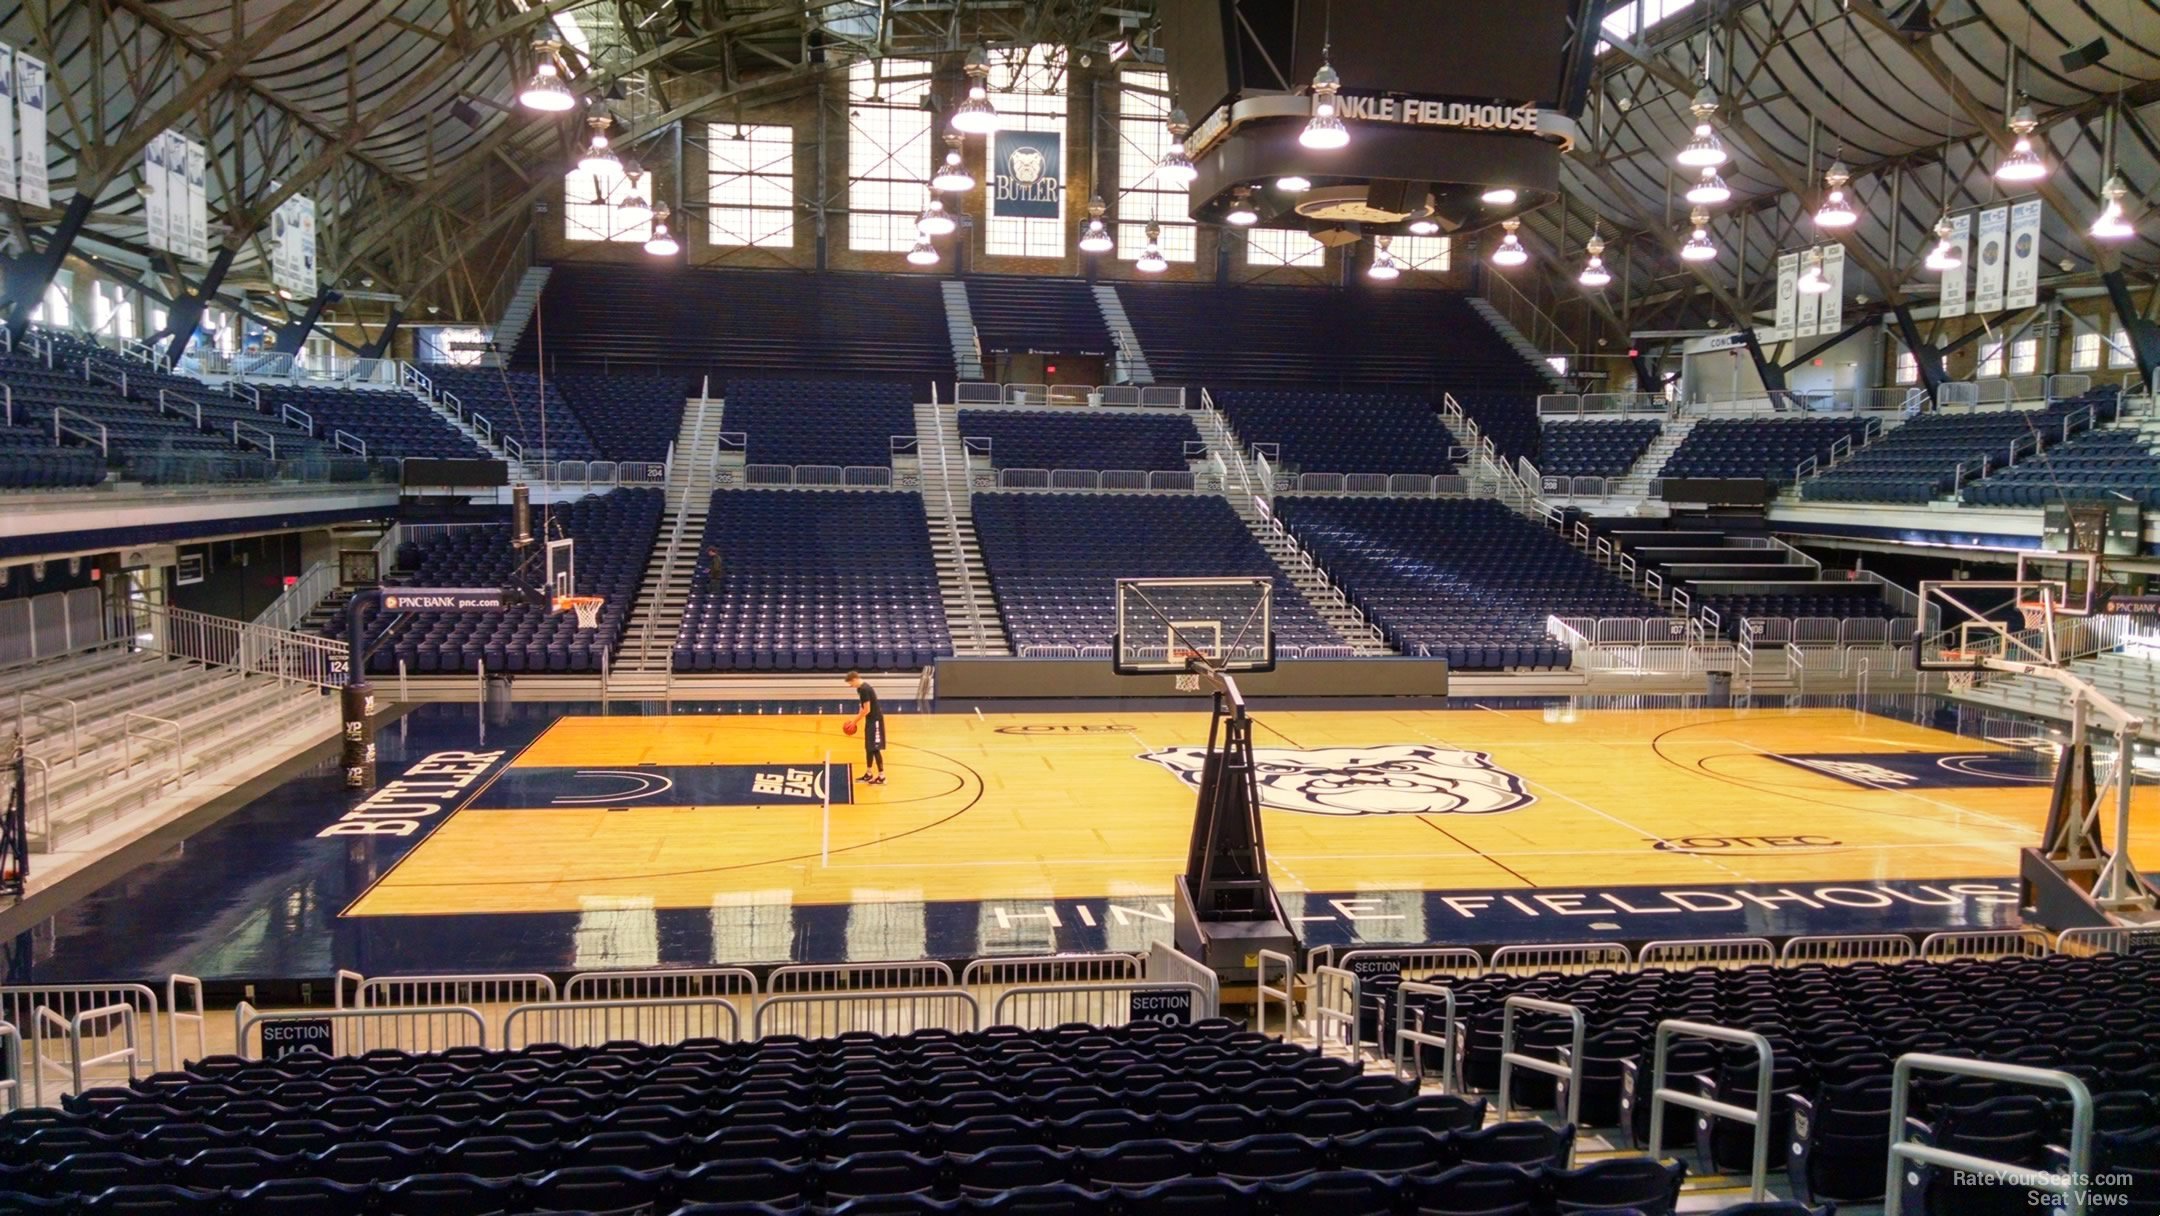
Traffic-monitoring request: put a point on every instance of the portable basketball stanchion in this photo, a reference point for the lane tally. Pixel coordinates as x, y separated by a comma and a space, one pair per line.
357, 700
1227, 910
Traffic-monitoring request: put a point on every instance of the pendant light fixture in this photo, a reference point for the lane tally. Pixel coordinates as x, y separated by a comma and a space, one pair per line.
952, 177
1423, 224
661, 244
2113, 222
1594, 275
1383, 268
975, 115
1151, 260
1325, 130
1705, 149
923, 254
2023, 165
1710, 189
1836, 211
1499, 196
1945, 256
1811, 281
1510, 252
1095, 236
599, 158
546, 91
1241, 212
1176, 169
934, 220
1699, 247
1291, 183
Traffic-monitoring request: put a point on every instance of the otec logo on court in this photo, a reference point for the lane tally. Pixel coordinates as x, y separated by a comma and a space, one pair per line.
426, 790
1395, 779
1064, 728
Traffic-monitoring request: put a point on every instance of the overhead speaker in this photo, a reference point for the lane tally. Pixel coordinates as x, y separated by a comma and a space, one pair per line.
2085, 56
1915, 21
463, 111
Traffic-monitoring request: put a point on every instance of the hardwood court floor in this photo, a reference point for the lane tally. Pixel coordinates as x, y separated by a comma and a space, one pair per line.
1040, 806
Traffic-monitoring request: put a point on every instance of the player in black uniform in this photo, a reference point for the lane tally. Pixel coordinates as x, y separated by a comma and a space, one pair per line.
870, 718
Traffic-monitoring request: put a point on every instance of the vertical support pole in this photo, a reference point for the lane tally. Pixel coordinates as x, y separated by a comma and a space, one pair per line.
30, 275
187, 311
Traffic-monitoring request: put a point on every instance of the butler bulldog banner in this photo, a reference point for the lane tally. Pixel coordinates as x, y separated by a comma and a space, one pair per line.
1027, 174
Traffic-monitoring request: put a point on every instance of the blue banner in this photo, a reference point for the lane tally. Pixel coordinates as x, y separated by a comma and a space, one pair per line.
1027, 174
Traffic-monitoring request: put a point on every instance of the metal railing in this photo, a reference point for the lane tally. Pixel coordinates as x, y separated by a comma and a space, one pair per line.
900, 1011
253, 649
2073, 1185
1097, 396
44, 1012
2116, 939
659, 984
1263, 992
1602, 405
1051, 969
1166, 964
441, 991
416, 1028
979, 636
1044, 1006
113, 1028
1408, 1035
1092, 479
1859, 948
1511, 1059
1706, 952
658, 1021
1333, 1003
11, 1057
1662, 1095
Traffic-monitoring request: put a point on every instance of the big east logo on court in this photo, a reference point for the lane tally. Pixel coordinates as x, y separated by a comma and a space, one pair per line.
1396, 779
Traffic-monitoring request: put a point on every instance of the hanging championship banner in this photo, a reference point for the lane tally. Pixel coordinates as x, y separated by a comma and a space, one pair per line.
307, 244
2023, 290
1832, 318
1953, 280
292, 246
1027, 174
1810, 320
197, 164
1788, 296
7, 121
1990, 251
157, 192
30, 124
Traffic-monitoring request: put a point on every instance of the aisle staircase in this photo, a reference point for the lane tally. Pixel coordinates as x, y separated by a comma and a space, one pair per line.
645, 659
1629, 493
1132, 361
960, 327
1247, 498
510, 327
963, 579
1523, 346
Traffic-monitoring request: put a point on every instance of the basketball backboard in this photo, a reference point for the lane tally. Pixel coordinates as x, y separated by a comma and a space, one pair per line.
561, 569
1178, 625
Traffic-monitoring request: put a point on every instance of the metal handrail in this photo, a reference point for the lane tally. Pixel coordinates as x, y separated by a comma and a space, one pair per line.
952, 526
2074, 1185
1262, 990
76, 1062
1758, 1118
1445, 1040
1510, 1059
1328, 1020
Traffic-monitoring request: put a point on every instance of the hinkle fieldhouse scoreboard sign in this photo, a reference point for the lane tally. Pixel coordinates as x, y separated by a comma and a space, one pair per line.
1027, 174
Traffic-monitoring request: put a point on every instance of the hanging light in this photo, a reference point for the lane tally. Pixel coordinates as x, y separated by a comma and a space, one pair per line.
1812, 282
1511, 252
1945, 256
952, 177
1835, 211
1698, 247
2113, 222
632, 203
599, 158
660, 244
1499, 196
1424, 225
2023, 164
546, 91
1241, 209
1594, 273
934, 221
975, 115
1095, 237
1710, 190
1176, 169
1705, 148
923, 254
1325, 130
1151, 260
1291, 183
1383, 265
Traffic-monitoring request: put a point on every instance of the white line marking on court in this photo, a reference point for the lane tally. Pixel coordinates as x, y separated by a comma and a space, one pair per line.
979, 714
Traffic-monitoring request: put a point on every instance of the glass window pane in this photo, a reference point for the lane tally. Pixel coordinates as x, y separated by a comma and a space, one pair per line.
1143, 107
890, 143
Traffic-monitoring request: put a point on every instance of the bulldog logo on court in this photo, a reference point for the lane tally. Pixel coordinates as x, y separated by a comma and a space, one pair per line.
1395, 779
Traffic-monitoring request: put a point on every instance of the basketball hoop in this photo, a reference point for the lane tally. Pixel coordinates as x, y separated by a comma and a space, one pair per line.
1189, 682
1959, 680
587, 608
2035, 615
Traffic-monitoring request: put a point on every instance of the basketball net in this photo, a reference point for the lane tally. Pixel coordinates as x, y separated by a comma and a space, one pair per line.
587, 608
1958, 681
1188, 681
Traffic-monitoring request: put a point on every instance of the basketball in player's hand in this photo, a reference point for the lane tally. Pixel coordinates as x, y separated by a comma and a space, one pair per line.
848, 727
